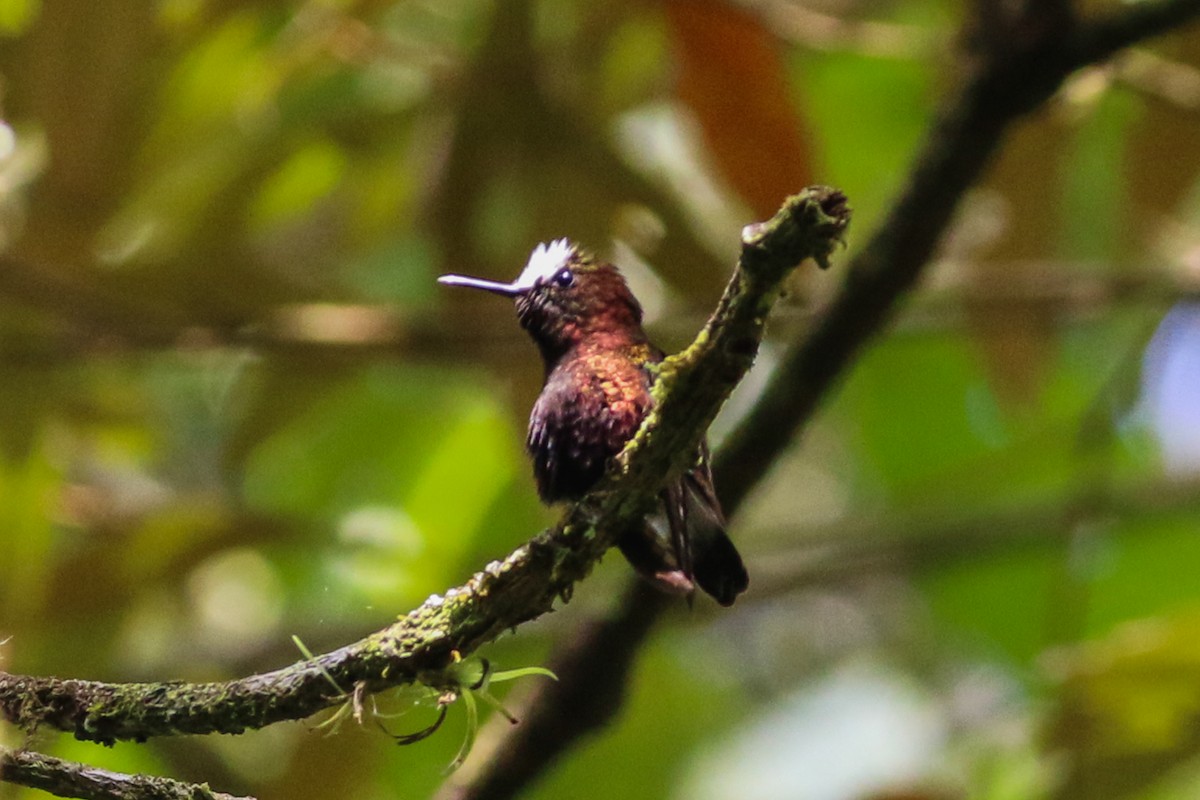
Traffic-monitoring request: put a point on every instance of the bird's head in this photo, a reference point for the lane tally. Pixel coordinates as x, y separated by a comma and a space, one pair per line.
565, 297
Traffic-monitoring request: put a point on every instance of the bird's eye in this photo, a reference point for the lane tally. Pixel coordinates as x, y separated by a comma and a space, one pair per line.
564, 277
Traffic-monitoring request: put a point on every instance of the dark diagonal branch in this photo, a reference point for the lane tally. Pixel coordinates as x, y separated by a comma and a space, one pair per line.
424, 644
70, 779
1103, 36
965, 137
1015, 68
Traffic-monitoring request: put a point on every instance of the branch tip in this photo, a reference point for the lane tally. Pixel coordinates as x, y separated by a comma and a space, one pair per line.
808, 225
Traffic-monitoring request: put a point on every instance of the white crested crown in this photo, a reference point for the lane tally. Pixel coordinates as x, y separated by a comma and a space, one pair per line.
544, 262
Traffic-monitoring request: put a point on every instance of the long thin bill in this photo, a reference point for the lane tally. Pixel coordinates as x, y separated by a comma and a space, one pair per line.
506, 289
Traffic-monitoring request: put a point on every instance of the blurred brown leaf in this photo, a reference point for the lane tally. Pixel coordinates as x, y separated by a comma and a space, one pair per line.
1162, 159
732, 78
1000, 239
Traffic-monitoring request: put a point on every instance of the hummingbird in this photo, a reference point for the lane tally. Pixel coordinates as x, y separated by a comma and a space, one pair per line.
598, 372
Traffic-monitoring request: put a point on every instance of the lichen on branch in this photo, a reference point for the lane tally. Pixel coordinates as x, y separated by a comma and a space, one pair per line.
71, 779
423, 644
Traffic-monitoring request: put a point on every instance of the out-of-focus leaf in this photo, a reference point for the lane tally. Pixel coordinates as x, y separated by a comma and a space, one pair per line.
671, 710
398, 270
1057, 580
872, 112
1095, 205
1129, 708
358, 465
461, 478
926, 420
631, 70
304, 178
29, 488
396, 470
731, 77
1001, 604
17, 15
1143, 565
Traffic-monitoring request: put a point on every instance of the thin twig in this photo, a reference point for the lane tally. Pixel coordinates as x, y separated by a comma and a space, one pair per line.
70, 779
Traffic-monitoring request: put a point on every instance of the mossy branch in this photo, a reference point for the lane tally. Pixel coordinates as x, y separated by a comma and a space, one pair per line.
71, 779
421, 645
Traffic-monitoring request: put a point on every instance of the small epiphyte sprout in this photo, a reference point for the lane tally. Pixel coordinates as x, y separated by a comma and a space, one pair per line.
469, 680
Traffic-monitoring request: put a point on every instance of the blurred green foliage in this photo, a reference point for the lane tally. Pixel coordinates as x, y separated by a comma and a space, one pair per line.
234, 407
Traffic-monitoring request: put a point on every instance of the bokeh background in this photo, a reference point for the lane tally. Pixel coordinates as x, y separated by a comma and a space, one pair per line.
235, 407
